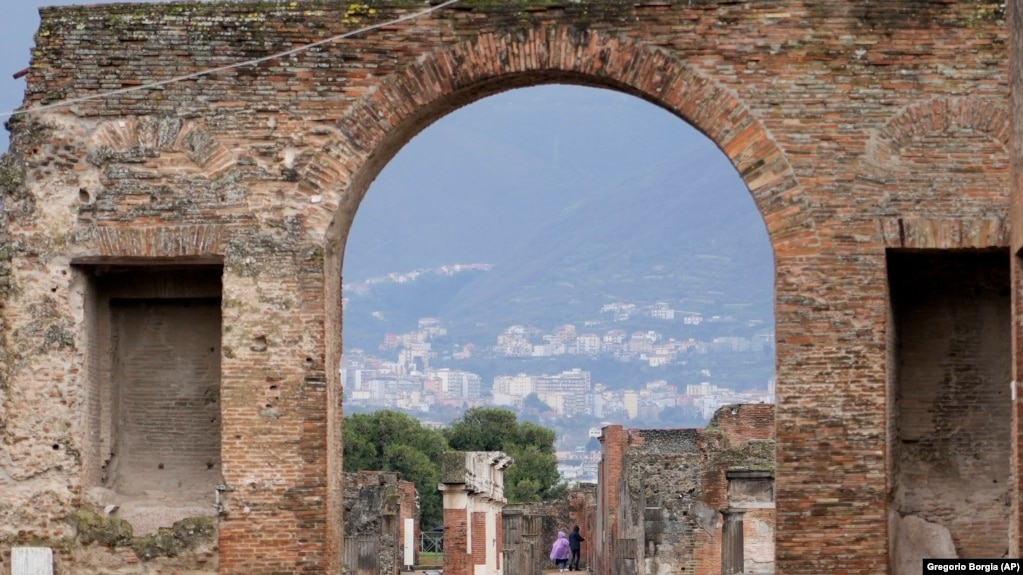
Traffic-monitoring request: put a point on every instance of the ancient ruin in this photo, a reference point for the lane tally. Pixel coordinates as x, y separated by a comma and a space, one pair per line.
688, 500
473, 487
529, 529
381, 523
196, 229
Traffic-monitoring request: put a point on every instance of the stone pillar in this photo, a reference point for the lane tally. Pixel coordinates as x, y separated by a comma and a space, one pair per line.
473, 487
731, 542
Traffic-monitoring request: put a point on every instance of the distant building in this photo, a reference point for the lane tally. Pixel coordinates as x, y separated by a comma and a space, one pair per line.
661, 310
458, 384
588, 344
510, 390
574, 381
630, 401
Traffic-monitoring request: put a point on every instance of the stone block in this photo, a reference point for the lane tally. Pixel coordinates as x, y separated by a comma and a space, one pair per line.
31, 561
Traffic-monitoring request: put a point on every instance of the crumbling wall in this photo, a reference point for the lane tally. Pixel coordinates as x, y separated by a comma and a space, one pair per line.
152, 445
472, 483
662, 474
609, 485
531, 529
677, 485
739, 478
376, 504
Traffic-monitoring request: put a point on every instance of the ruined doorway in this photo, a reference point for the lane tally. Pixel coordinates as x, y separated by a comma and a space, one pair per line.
950, 358
153, 377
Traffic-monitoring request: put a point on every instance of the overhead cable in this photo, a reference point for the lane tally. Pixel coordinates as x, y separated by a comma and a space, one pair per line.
207, 72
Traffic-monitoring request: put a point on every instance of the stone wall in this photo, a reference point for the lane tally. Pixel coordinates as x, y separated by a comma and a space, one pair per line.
531, 529
675, 489
859, 128
377, 505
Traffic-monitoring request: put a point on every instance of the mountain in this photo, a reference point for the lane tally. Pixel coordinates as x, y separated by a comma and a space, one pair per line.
578, 197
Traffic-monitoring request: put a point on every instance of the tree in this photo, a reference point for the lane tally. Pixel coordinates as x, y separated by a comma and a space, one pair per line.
532, 402
534, 475
392, 441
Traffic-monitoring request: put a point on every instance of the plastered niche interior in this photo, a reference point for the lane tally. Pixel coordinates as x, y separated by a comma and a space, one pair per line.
152, 454
951, 351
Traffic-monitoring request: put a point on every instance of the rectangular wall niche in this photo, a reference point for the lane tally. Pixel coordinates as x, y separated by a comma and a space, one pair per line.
950, 354
153, 403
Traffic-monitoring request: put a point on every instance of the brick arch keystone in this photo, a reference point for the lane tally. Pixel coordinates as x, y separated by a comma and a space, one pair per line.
409, 100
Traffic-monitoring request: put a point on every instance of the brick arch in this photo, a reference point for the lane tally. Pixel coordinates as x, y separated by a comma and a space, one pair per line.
988, 116
408, 101
979, 124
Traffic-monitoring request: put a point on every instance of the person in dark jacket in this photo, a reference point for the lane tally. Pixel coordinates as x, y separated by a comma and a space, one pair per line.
574, 542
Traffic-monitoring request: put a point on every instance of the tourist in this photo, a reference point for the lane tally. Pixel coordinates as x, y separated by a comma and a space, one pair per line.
574, 542
560, 552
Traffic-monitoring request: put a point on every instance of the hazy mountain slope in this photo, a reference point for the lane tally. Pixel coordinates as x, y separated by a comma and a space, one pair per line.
578, 197
677, 233
480, 179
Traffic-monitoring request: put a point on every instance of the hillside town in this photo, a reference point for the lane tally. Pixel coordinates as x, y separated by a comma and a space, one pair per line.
415, 377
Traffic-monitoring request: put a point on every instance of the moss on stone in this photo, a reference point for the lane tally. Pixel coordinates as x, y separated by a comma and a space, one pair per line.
186, 534
183, 535
452, 469
11, 175
123, 18
754, 455
93, 527
62, 545
57, 337
984, 13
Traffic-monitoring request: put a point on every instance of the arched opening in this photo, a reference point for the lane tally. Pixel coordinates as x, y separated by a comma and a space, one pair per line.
411, 100
610, 250
618, 231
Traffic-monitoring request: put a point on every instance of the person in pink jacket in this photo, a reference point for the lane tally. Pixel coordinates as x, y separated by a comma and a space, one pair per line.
560, 552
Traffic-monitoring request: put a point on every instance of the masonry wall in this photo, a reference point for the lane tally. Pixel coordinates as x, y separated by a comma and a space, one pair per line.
738, 474
1014, 19
154, 378
472, 484
613, 440
531, 529
375, 505
857, 126
674, 488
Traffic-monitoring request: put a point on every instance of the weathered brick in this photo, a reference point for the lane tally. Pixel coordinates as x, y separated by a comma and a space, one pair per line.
858, 127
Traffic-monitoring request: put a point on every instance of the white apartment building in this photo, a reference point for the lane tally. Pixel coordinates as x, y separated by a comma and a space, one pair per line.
519, 385
456, 383
661, 310
574, 381
703, 388
588, 344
